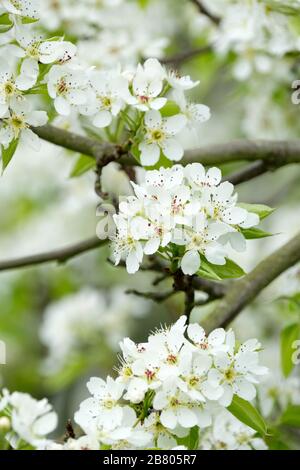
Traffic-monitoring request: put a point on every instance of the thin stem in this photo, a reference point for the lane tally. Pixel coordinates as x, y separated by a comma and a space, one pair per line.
59, 255
205, 11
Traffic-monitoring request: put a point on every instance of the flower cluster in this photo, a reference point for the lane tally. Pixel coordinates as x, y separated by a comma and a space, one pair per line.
182, 206
123, 30
171, 384
147, 100
180, 378
139, 98
257, 32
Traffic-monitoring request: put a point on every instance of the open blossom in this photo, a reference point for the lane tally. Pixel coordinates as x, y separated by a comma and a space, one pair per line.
186, 206
26, 8
159, 137
147, 85
16, 124
31, 420
13, 85
67, 87
237, 372
228, 433
108, 93
33, 50
103, 408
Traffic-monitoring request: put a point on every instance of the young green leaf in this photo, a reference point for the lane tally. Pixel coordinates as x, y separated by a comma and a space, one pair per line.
288, 336
253, 233
83, 164
260, 209
170, 109
5, 23
9, 152
247, 414
291, 416
230, 270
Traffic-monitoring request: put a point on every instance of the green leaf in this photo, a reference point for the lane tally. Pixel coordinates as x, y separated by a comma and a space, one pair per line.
8, 153
5, 23
276, 442
230, 270
28, 20
247, 414
170, 109
83, 164
261, 210
253, 233
291, 416
288, 336
191, 441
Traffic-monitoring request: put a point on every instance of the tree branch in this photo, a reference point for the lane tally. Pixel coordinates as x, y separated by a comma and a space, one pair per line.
273, 153
202, 9
60, 255
215, 290
78, 143
155, 296
244, 291
248, 173
181, 57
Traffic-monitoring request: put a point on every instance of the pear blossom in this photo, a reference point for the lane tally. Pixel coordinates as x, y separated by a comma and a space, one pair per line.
32, 49
181, 83
237, 372
25, 8
159, 137
31, 420
108, 94
12, 85
103, 408
147, 85
67, 87
228, 433
195, 113
16, 125
177, 409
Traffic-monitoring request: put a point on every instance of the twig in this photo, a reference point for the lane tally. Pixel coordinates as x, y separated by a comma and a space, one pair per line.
189, 302
181, 57
244, 291
155, 296
70, 433
246, 174
202, 8
215, 290
60, 255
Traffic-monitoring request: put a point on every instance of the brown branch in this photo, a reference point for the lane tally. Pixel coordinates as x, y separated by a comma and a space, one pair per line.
205, 11
244, 291
60, 255
181, 57
248, 173
274, 153
155, 296
215, 290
